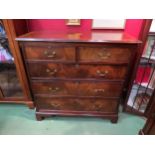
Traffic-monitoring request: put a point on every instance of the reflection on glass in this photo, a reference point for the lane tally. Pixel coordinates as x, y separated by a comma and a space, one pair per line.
9, 83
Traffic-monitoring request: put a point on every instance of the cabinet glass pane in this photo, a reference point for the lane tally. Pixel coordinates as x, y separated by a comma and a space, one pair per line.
9, 82
144, 83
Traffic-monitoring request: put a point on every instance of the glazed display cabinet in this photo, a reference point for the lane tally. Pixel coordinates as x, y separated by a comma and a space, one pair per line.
13, 83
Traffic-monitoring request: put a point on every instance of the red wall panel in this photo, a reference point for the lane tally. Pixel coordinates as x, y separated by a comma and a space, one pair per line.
132, 26
58, 25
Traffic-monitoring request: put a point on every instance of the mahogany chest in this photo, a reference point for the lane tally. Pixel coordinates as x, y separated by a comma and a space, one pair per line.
78, 74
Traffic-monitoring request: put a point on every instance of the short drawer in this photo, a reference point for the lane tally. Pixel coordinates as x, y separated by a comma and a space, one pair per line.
51, 70
107, 54
80, 88
49, 52
99, 105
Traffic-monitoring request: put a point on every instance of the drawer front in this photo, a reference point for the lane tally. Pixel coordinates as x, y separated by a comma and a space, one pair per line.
105, 54
50, 53
100, 105
101, 89
49, 70
80, 88
101, 71
55, 88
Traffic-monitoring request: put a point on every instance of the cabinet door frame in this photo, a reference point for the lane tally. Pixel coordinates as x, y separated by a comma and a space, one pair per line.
150, 123
143, 35
11, 35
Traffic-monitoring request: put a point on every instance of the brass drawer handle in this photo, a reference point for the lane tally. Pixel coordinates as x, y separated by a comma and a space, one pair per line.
51, 72
55, 104
53, 89
52, 55
100, 73
104, 55
99, 90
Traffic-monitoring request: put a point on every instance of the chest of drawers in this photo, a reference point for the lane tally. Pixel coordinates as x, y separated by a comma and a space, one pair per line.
82, 76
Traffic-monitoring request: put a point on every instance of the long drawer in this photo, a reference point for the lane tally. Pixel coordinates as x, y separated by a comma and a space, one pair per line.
51, 70
100, 105
80, 88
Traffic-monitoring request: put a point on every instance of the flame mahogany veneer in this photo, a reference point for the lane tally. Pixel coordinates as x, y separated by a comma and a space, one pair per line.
78, 74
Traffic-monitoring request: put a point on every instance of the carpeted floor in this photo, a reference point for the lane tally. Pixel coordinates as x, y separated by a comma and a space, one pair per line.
19, 120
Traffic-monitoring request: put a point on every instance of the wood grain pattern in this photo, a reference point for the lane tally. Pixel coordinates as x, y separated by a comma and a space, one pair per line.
85, 79
53, 88
105, 54
102, 105
51, 70
80, 88
50, 53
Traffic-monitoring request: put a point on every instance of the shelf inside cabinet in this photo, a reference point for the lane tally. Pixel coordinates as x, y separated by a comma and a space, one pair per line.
145, 85
146, 60
139, 99
151, 34
3, 37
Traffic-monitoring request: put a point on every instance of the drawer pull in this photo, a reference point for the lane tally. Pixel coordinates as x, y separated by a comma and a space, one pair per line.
51, 72
104, 56
52, 55
53, 89
99, 90
102, 73
55, 104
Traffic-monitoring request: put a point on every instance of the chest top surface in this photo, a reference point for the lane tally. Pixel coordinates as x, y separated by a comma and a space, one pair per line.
87, 37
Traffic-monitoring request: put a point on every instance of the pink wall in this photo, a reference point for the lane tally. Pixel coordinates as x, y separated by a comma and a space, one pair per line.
132, 26
58, 25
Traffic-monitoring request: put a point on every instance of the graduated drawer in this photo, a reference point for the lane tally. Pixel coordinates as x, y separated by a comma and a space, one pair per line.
43, 51
100, 105
107, 54
80, 88
51, 70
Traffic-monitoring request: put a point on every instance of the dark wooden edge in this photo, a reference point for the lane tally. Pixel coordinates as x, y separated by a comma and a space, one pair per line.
44, 44
33, 79
75, 41
128, 74
143, 35
76, 79
148, 125
150, 105
26, 70
41, 114
73, 96
150, 113
1, 94
30, 104
79, 62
